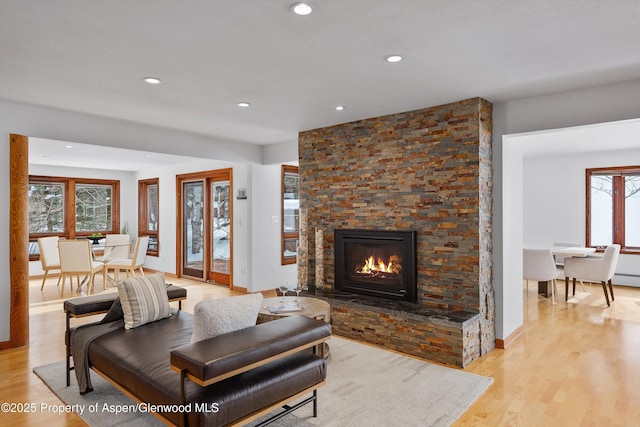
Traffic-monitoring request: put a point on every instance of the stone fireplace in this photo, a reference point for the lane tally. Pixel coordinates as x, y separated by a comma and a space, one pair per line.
380, 263
429, 171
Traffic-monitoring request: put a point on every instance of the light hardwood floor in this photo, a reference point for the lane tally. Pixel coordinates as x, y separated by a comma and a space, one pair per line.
576, 364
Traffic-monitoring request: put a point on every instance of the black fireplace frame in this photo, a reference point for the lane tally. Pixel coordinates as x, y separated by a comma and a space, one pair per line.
406, 291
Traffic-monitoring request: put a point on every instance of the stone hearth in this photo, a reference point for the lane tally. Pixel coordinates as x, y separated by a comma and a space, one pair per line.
445, 336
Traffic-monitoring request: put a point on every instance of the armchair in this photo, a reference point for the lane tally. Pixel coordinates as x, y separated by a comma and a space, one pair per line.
594, 269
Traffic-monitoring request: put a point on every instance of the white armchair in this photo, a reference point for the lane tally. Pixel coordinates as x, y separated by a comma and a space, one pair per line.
594, 269
560, 259
539, 265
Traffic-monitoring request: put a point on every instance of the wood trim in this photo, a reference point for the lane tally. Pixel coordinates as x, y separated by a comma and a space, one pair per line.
19, 240
206, 177
69, 206
143, 212
246, 368
504, 343
618, 174
286, 169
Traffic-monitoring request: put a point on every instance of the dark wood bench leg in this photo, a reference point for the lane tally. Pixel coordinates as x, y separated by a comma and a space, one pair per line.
606, 295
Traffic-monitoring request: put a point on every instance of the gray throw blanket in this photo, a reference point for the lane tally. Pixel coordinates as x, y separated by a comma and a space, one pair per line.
83, 335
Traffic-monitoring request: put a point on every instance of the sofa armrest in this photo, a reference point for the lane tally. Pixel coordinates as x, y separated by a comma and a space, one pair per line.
212, 360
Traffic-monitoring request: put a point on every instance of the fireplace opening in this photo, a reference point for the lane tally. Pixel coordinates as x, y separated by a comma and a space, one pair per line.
376, 262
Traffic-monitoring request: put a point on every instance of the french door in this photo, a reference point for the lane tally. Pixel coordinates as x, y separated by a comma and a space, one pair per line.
205, 238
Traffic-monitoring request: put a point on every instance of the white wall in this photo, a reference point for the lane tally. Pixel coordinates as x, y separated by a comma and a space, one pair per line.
166, 261
574, 108
5, 277
267, 271
554, 202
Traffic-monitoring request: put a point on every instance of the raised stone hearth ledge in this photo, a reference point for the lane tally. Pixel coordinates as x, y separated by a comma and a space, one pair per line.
440, 335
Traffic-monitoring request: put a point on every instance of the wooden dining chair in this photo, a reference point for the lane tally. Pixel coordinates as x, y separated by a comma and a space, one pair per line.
76, 259
49, 257
136, 262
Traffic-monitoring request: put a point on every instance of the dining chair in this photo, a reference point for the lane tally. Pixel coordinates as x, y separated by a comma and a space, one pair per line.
594, 269
116, 246
539, 265
76, 259
49, 257
560, 259
136, 262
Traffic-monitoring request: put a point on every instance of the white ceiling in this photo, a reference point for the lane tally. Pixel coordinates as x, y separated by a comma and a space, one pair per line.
50, 152
91, 56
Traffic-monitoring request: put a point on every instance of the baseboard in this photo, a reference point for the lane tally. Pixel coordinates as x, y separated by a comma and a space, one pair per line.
506, 342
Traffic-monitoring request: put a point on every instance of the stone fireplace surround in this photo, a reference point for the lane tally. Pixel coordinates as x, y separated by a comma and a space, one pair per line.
427, 170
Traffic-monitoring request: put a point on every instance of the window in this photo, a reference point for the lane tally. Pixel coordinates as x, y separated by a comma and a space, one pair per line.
71, 208
93, 207
613, 207
290, 214
148, 213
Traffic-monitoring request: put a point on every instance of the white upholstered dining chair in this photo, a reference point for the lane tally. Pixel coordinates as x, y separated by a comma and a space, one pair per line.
76, 259
593, 269
116, 246
539, 265
136, 262
49, 257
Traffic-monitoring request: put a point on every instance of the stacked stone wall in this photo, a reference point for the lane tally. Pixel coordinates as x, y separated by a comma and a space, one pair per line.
427, 170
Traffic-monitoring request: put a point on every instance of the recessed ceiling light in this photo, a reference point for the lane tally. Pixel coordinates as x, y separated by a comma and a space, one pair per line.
340, 107
68, 146
302, 9
148, 155
244, 104
152, 80
393, 58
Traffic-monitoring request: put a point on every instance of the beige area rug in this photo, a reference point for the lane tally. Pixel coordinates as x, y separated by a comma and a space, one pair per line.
366, 386
623, 308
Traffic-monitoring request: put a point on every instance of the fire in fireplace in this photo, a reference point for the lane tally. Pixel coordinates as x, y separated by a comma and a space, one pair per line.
376, 262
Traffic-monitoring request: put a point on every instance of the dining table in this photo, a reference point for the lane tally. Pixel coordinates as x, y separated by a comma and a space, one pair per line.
565, 252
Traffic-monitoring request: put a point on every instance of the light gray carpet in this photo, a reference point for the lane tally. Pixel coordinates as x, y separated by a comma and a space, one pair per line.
366, 386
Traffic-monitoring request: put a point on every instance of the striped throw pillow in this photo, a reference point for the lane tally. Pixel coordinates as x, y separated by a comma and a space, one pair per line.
144, 299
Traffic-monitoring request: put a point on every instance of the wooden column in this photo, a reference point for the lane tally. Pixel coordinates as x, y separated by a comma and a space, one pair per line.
19, 239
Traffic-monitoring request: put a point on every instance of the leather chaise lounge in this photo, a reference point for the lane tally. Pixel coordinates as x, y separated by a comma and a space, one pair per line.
230, 379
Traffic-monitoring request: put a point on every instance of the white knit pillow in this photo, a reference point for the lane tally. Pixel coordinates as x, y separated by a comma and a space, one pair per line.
219, 316
144, 299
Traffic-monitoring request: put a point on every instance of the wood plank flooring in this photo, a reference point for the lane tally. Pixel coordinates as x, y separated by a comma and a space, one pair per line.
576, 364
